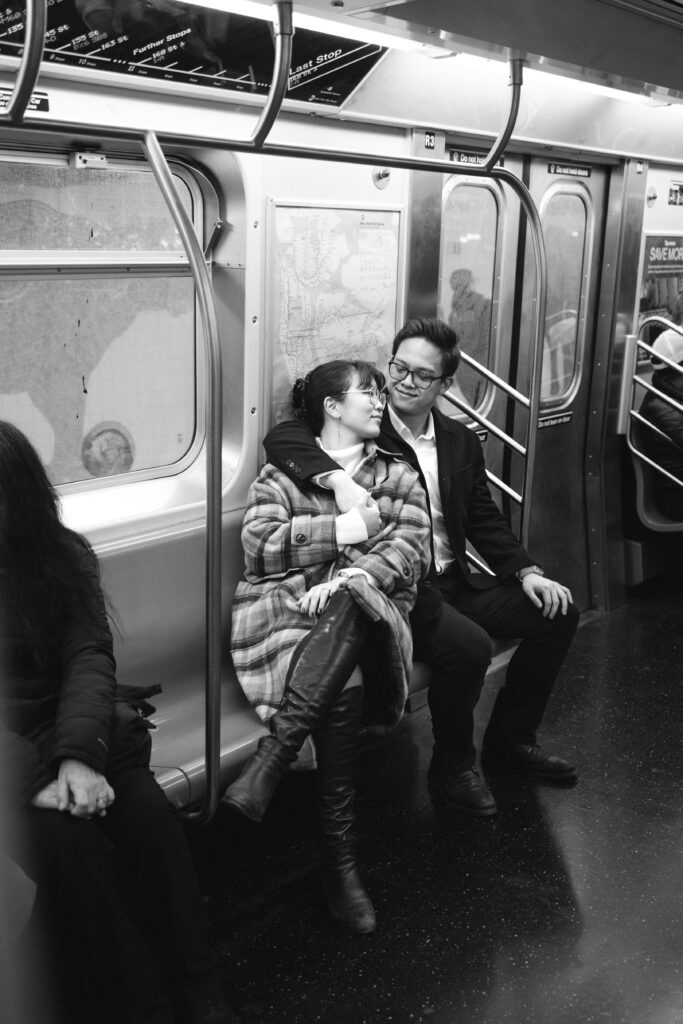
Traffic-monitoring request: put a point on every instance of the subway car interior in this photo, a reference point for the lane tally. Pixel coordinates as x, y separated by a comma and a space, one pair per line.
202, 201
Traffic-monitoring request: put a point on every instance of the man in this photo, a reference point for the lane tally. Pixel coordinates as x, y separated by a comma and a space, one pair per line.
457, 611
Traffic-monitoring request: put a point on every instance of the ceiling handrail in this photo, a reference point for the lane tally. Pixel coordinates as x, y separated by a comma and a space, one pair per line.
498, 147
283, 27
29, 66
214, 468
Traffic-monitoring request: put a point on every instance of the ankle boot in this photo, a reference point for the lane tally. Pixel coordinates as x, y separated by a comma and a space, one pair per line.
317, 674
336, 744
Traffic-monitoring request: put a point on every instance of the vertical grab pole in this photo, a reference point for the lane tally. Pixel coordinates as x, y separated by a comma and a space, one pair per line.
537, 354
32, 53
516, 72
284, 31
214, 434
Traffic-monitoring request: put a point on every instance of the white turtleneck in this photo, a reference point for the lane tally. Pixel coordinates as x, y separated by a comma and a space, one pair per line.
350, 526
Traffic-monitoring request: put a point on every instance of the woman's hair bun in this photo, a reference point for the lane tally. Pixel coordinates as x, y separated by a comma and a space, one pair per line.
299, 397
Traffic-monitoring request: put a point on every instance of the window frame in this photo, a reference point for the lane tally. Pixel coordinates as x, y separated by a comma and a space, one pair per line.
100, 505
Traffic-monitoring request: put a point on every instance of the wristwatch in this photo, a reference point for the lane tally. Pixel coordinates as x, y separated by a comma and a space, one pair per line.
521, 573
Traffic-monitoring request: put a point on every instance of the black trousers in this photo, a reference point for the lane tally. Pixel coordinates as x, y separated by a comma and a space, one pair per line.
457, 647
119, 916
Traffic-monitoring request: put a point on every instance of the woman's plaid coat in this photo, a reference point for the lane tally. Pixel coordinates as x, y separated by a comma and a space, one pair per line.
290, 545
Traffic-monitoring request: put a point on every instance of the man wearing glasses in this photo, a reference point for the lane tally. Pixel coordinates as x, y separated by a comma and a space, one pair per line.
457, 611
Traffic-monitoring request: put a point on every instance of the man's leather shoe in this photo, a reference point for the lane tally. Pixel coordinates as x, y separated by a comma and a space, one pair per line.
529, 759
464, 792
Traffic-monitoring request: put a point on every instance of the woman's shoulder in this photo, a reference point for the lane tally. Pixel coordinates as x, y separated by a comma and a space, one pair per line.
78, 544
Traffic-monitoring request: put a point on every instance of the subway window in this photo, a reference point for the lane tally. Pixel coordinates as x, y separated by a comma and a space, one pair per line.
565, 221
466, 277
98, 311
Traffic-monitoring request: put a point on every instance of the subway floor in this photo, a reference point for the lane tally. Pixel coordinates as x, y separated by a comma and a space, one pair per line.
566, 907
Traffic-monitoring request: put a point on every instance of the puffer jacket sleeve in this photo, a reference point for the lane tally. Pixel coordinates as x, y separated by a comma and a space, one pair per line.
23, 769
400, 553
665, 416
284, 529
88, 680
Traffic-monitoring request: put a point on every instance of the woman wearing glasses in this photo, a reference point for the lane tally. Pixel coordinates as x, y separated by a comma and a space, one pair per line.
325, 595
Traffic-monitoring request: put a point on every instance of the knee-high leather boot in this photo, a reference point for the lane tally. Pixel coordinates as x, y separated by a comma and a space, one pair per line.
318, 673
336, 743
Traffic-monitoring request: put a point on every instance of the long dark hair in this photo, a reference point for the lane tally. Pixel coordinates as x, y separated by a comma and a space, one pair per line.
43, 565
330, 380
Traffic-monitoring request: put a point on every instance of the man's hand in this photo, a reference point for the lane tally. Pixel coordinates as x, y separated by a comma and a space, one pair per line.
547, 594
81, 790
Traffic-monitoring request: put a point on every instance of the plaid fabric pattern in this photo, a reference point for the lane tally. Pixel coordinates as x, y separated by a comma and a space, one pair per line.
289, 543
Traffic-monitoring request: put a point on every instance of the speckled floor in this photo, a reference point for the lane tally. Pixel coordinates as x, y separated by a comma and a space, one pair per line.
566, 908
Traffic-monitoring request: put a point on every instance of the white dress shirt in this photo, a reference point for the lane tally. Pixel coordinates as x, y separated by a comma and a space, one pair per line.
424, 447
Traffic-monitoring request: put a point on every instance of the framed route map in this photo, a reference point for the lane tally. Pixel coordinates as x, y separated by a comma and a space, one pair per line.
333, 292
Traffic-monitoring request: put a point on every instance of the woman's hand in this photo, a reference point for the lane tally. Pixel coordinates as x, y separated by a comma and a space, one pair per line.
48, 798
82, 791
315, 600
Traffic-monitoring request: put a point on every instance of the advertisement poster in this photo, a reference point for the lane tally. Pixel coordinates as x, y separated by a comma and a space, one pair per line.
661, 292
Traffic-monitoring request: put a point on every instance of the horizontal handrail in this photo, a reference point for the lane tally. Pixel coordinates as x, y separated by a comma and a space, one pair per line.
650, 425
653, 465
500, 434
495, 379
659, 356
660, 394
503, 487
482, 566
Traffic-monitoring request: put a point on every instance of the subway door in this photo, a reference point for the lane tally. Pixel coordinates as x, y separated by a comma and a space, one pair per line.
571, 202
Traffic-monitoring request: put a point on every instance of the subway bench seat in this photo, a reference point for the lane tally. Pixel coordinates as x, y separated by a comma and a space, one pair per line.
178, 737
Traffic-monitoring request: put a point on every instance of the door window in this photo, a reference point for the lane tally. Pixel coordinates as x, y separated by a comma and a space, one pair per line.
564, 220
466, 278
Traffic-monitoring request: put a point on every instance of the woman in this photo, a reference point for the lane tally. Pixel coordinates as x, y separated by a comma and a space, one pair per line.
324, 593
91, 824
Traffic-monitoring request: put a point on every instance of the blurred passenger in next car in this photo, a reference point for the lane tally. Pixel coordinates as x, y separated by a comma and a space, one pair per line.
325, 593
118, 915
666, 451
457, 611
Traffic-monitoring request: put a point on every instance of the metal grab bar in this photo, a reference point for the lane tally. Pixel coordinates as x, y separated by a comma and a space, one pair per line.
650, 426
655, 465
516, 73
660, 394
495, 379
500, 434
503, 487
284, 31
31, 56
214, 467
535, 379
481, 566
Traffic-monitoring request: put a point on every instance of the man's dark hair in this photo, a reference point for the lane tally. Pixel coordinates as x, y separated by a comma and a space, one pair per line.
438, 333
